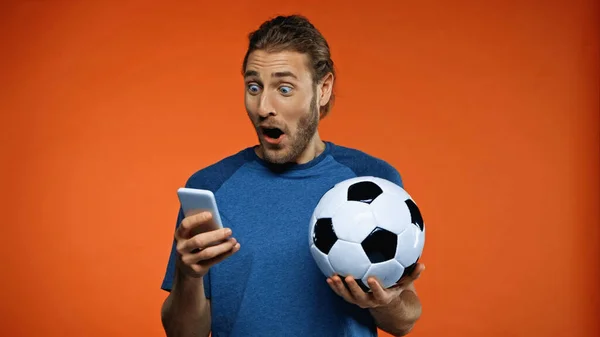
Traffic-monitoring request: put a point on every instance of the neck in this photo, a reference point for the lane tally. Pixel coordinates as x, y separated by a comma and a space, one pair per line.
314, 148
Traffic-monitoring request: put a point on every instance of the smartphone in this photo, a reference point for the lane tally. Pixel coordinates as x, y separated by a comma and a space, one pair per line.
194, 201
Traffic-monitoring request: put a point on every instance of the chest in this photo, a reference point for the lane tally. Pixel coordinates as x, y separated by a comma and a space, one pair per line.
270, 218
264, 215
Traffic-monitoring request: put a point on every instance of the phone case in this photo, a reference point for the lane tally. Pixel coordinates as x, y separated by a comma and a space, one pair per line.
197, 200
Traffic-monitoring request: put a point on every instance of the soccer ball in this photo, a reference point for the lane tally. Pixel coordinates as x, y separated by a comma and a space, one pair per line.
367, 226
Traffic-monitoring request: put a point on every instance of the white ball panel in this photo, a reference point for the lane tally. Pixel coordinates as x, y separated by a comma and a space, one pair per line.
329, 202
348, 258
353, 221
322, 261
311, 228
391, 213
410, 245
421, 243
388, 273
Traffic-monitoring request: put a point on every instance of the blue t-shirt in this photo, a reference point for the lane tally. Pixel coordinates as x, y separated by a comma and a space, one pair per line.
272, 286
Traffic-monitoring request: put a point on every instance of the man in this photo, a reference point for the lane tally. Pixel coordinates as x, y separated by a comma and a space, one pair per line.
261, 279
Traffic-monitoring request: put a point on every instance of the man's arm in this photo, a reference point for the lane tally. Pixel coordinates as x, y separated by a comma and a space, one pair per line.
186, 311
400, 315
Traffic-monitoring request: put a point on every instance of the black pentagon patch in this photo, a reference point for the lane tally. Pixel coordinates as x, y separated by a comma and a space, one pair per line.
364, 191
380, 245
415, 214
323, 235
359, 282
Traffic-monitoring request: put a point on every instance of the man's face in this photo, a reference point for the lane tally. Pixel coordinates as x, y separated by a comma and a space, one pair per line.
281, 101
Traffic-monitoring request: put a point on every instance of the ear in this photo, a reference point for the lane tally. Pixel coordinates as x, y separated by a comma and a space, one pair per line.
325, 89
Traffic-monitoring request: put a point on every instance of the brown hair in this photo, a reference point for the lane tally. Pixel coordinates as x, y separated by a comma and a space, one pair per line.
295, 33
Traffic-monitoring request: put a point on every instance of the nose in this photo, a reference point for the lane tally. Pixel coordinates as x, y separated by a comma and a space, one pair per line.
265, 108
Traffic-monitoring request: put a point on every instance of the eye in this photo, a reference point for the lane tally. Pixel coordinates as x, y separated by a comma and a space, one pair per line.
253, 88
286, 90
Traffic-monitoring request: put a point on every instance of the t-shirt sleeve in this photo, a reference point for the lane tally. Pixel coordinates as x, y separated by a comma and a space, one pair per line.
167, 283
363, 164
210, 178
385, 171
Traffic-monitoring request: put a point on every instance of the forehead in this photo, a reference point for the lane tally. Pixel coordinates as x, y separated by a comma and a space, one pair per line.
266, 64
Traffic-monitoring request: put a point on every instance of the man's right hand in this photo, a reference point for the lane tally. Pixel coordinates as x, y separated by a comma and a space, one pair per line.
198, 252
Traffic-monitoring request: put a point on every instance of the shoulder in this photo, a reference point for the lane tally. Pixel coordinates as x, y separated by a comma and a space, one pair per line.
364, 164
213, 176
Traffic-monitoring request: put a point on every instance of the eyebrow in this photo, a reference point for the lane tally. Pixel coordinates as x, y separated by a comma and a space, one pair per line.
250, 73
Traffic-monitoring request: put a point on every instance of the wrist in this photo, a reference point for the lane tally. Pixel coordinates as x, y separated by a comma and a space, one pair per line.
188, 293
404, 311
409, 304
190, 288
186, 309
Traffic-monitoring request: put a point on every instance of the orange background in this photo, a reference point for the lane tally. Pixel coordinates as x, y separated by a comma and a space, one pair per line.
491, 114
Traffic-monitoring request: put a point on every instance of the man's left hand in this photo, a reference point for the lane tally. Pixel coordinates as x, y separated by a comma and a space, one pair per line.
378, 296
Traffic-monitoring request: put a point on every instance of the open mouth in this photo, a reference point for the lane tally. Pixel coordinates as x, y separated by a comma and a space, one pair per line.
272, 133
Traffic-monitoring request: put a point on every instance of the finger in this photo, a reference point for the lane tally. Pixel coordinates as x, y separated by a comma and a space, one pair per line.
414, 275
202, 267
341, 289
209, 252
356, 291
210, 262
203, 240
381, 295
417, 272
184, 231
332, 285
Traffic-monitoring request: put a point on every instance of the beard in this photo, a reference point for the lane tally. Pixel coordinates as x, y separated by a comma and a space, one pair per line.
296, 143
